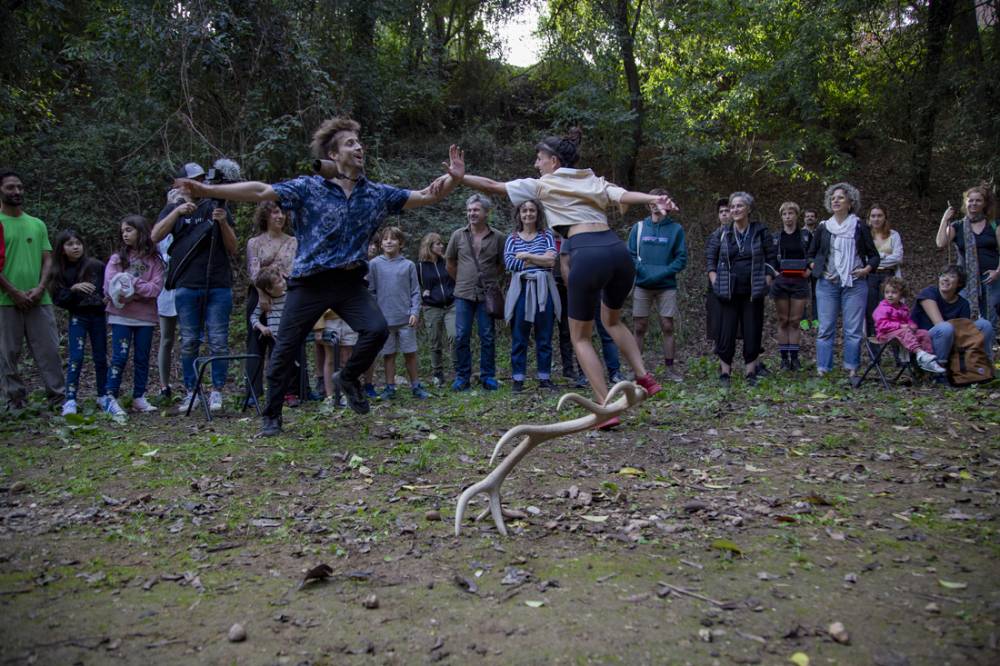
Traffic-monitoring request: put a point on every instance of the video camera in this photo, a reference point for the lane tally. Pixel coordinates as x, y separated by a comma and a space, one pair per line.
222, 172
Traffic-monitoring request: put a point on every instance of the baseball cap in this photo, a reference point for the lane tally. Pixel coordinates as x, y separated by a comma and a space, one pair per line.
191, 170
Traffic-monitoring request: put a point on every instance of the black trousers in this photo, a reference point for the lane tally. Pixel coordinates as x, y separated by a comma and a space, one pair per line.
346, 293
569, 368
740, 312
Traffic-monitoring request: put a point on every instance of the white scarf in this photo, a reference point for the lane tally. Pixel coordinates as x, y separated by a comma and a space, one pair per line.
842, 248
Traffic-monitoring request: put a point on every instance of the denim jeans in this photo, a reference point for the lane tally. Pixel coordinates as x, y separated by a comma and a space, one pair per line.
520, 332
609, 350
201, 311
849, 303
465, 311
989, 302
943, 336
81, 326
124, 338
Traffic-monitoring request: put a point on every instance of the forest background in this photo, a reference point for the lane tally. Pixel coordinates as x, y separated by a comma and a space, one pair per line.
102, 100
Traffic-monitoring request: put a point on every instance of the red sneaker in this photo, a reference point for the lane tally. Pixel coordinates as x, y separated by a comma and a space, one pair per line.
610, 423
649, 383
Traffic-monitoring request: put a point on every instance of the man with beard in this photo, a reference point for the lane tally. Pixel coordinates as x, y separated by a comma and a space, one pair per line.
25, 304
337, 217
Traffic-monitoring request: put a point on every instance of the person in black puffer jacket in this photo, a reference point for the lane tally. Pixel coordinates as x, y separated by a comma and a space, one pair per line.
437, 293
740, 261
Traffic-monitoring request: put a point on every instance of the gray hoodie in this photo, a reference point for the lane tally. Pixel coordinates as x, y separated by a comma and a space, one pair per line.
396, 288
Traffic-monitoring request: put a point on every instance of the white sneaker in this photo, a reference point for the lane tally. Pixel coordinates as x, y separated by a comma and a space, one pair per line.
69, 407
215, 401
142, 405
112, 407
929, 363
182, 408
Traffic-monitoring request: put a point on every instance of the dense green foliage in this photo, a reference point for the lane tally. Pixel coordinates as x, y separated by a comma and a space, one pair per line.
103, 99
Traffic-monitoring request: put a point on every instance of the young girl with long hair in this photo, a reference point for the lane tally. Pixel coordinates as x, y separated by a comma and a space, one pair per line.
77, 286
133, 279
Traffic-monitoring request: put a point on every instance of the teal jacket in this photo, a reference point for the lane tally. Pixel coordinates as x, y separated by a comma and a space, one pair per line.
659, 252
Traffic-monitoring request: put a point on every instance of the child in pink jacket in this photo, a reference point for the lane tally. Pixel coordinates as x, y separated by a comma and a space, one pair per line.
133, 279
893, 322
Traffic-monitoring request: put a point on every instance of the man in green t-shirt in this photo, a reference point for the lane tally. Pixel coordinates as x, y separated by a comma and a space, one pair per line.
25, 305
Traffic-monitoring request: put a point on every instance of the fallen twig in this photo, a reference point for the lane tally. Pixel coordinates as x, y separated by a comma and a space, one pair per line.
689, 593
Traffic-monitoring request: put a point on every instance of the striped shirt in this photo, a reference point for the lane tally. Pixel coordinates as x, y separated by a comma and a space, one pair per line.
541, 244
273, 318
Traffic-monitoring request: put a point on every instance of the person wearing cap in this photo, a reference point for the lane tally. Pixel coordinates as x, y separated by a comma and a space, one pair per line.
199, 273
336, 219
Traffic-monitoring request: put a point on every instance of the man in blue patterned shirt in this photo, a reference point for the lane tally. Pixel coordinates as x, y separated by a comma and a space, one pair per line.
336, 218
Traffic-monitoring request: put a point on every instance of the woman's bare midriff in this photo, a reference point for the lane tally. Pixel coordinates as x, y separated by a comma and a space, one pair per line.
587, 228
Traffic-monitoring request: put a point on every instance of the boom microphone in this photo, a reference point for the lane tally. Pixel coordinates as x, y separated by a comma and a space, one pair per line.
224, 170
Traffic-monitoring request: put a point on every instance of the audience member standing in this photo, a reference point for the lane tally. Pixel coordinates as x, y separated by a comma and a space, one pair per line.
25, 305
711, 300
977, 241
890, 251
659, 251
437, 294
790, 289
475, 258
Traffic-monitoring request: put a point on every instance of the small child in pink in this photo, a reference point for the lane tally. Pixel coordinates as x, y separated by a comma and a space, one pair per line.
893, 322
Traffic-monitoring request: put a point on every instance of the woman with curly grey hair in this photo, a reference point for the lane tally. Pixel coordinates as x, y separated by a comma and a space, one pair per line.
842, 255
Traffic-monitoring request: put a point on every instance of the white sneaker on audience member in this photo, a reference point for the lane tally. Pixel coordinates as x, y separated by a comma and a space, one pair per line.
215, 401
928, 362
69, 407
142, 405
182, 408
112, 407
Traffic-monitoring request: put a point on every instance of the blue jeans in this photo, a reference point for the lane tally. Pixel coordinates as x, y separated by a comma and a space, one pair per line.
849, 303
196, 317
609, 350
943, 336
81, 326
122, 339
989, 302
519, 334
465, 311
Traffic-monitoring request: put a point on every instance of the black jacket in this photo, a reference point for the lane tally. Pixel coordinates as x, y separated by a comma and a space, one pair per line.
76, 302
437, 288
819, 248
763, 256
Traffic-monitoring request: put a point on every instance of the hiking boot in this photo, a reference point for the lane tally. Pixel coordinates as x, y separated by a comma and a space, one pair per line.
140, 404
270, 427
352, 390
649, 383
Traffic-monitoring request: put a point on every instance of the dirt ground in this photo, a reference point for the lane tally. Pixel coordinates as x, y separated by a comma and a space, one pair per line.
735, 527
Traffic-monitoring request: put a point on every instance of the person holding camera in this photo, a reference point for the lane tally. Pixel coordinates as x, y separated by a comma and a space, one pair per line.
199, 272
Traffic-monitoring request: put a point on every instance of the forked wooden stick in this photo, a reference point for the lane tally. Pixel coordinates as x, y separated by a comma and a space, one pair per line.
621, 396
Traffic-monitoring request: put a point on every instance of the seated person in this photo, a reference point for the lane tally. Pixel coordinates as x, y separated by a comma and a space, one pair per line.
936, 305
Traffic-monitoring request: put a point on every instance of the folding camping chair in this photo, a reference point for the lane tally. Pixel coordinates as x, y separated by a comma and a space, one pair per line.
905, 362
203, 362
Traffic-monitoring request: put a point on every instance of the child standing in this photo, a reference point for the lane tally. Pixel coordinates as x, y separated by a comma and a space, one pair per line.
893, 322
78, 287
265, 318
133, 279
393, 280
332, 333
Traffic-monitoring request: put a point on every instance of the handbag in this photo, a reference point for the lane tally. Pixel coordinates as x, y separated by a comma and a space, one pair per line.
794, 267
493, 295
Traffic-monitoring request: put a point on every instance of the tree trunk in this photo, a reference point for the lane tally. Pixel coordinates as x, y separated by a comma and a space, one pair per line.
625, 33
939, 18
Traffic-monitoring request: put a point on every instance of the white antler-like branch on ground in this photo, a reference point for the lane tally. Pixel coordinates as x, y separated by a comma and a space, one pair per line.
621, 396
